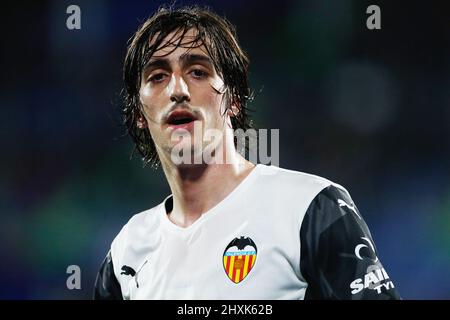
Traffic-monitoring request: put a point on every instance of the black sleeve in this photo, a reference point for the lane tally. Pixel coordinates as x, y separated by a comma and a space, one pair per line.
338, 256
106, 285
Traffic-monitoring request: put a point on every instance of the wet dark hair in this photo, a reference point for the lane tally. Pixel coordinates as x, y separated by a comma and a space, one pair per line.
216, 34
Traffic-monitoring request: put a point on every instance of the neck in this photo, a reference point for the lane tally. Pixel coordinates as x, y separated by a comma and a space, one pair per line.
199, 187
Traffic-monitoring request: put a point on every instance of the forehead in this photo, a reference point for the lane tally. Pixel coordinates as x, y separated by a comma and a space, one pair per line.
175, 44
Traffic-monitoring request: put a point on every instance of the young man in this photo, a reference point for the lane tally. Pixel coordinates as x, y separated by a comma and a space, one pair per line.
230, 229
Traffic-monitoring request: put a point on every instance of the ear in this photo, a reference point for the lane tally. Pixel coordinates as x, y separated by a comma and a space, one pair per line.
141, 123
233, 110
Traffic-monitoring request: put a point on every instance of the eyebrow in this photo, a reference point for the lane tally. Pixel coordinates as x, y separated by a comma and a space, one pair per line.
189, 58
162, 63
185, 59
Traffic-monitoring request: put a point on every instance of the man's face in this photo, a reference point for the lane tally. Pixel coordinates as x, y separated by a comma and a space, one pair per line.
180, 89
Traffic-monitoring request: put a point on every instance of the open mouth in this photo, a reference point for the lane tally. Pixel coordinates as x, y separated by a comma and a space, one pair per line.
181, 121
180, 117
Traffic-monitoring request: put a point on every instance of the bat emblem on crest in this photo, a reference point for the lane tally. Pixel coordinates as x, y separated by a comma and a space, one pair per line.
239, 258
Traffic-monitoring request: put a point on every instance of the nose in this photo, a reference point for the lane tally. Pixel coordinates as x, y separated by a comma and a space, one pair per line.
179, 91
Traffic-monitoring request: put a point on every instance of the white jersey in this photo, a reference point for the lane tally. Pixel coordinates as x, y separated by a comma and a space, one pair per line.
248, 246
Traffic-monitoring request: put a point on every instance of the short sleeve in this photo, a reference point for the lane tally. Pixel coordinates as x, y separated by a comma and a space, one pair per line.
339, 259
106, 285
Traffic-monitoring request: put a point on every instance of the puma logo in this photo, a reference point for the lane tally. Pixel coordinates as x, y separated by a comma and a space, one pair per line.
128, 271
342, 203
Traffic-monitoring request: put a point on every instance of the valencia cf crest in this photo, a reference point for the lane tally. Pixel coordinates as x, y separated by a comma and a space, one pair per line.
239, 258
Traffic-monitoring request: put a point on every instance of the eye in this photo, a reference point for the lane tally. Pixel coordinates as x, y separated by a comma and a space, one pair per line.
199, 74
156, 78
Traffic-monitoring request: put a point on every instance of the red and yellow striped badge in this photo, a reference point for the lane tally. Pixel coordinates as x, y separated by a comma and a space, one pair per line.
239, 258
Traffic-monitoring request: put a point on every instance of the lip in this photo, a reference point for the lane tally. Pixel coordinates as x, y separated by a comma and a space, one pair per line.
180, 114
189, 126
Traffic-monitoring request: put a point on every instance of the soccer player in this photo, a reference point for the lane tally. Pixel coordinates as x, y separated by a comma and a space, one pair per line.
230, 229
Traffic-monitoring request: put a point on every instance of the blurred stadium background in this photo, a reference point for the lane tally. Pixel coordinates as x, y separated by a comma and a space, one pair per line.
367, 109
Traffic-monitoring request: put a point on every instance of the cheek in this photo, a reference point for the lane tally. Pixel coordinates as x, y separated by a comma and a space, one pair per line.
151, 102
217, 111
154, 132
146, 95
211, 96
212, 104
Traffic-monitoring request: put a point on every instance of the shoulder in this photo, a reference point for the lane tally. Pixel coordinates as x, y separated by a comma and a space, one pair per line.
137, 232
333, 218
331, 204
291, 179
299, 187
290, 176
